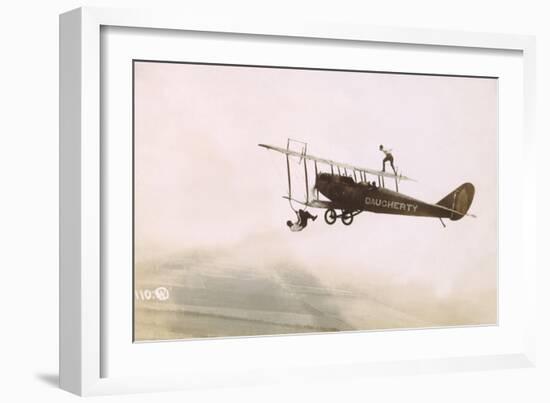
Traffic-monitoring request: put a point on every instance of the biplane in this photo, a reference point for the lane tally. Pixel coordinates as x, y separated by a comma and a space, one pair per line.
348, 191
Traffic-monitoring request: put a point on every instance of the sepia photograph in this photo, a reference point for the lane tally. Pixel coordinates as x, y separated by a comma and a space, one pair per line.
275, 200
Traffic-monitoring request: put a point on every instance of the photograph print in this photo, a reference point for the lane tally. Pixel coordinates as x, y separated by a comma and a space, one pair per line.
272, 200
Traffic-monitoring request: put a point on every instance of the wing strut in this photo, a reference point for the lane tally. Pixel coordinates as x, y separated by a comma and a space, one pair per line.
305, 171
288, 172
316, 173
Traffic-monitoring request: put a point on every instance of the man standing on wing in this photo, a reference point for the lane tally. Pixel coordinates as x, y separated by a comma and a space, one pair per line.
388, 157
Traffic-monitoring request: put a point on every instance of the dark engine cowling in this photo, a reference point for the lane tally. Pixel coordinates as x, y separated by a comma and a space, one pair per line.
340, 189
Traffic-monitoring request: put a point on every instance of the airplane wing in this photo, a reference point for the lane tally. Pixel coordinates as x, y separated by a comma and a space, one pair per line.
336, 164
313, 203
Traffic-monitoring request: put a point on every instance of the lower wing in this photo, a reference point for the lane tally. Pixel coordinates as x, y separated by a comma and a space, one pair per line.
313, 203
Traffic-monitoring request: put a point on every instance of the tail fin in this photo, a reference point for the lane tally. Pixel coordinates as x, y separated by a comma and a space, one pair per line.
459, 200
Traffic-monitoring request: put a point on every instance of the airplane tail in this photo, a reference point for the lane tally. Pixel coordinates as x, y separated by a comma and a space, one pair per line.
459, 200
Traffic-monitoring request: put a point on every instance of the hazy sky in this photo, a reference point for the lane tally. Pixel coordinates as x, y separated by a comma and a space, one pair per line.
201, 181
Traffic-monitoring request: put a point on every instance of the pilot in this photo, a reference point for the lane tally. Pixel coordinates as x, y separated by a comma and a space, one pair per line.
388, 157
299, 225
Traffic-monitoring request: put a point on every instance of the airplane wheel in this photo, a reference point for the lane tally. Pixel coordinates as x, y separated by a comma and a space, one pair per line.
330, 216
347, 217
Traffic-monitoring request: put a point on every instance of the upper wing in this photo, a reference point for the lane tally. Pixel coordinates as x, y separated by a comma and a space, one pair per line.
334, 163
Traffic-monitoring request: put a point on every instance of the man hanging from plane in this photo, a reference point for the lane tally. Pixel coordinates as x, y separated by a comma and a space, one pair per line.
299, 225
388, 157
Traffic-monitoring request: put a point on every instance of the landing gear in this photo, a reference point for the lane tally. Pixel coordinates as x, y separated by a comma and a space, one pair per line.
347, 217
330, 216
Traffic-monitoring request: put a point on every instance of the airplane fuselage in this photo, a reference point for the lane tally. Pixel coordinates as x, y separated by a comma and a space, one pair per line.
346, 194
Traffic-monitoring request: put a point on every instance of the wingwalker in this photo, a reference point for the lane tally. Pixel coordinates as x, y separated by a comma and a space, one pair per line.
348, 191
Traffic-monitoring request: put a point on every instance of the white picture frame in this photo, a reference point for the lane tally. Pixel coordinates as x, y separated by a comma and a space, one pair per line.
83, 304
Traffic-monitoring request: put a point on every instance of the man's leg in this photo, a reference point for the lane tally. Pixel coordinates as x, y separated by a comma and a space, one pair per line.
392, 167
307, 215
